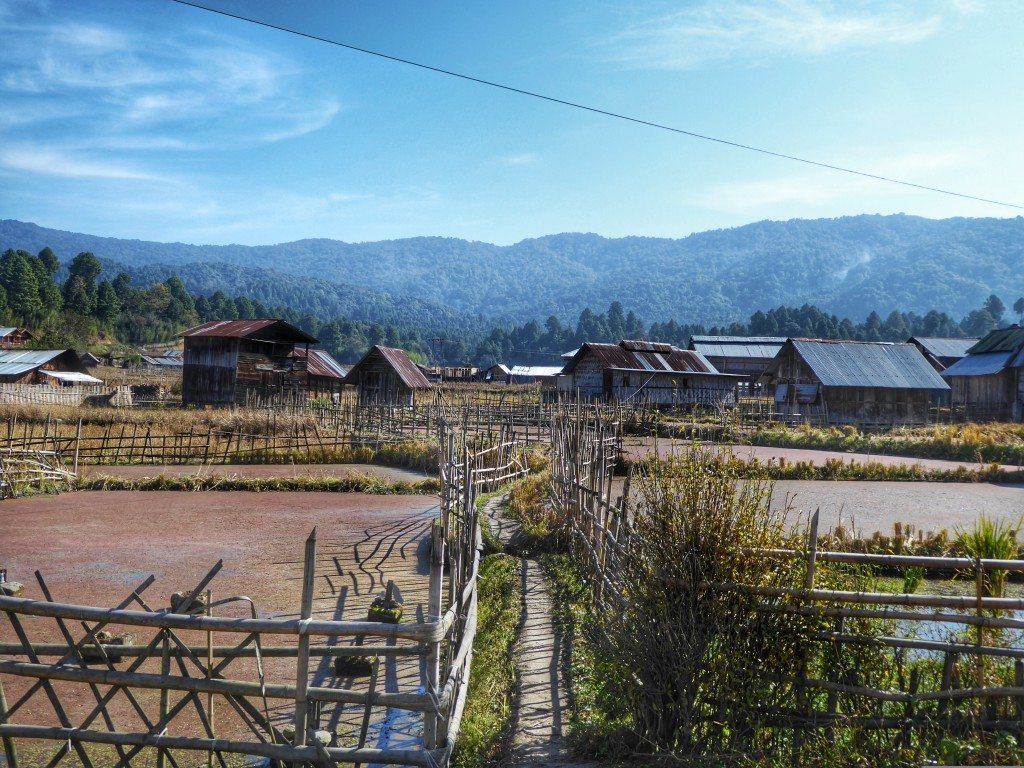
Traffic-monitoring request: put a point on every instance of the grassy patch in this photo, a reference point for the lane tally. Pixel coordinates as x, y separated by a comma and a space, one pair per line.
349, 484
487, 720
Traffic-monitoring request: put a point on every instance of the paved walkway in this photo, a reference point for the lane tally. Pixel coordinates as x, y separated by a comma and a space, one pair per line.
541, 708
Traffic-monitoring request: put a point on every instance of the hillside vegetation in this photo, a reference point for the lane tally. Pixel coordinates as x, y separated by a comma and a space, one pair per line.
848, 266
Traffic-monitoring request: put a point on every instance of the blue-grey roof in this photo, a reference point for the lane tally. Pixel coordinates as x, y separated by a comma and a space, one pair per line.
868, 364
780, 340
760, 351
983, 364
17, 361
7, 330
945, 347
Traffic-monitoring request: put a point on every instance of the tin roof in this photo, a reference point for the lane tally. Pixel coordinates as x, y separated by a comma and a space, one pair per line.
535, 371
17, 361
247, 329
638, 356
741, 340
758, 351
163, 361
983, 364
406, 369
319, 362
1000, 340
867, 364
72, 376
944, 347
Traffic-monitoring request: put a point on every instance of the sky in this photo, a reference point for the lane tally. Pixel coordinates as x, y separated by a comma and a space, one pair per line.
148, 119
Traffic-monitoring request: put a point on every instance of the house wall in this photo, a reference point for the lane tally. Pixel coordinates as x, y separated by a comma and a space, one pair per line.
672, 388
987, 397
209, 370
588, 377
871, 405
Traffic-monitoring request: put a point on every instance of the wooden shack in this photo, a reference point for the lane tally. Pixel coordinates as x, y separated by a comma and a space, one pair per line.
747, 356
12, 337
386, 376
56, 367
325, 376
226, 361
988, 384
649, 373
852, 382
942, 352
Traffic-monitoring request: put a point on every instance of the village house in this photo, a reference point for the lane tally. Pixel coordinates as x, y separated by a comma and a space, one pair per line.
496, 374
988, 384
55, 367
225, 361
325, 376
545, 375
852, 382
747, 356
942, 352
387, 376
13, 337
647, 372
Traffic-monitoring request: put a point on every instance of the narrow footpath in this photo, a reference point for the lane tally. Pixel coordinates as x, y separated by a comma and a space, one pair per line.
541, 707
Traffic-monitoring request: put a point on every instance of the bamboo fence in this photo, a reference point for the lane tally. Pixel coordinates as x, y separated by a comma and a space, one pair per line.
167, 655
602, 532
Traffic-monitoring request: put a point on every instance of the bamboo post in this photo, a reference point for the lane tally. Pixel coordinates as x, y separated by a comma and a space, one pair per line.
1018, 681
302, 659
78, 442
979, 588
10, 751
430, 719
209, 676
165, 693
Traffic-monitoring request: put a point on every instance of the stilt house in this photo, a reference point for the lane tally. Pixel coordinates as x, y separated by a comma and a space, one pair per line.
852, 382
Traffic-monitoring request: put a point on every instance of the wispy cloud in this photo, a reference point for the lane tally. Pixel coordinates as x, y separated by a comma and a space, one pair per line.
520, 159
53, 162
754, 30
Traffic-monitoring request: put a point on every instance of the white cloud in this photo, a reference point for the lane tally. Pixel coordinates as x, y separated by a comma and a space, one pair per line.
523, 158
53, 162
752, 30
314, 118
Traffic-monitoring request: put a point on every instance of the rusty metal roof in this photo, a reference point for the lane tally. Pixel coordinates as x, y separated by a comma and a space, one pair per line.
248, 329
399, 361
665, 359
319, 362
879, 364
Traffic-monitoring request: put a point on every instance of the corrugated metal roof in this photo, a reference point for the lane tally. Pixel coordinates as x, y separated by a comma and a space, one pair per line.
983, 364
319, 362
72, 376
868, 364
758, 351
535, 371
7, 331
163, 362
944, 347
1000, 340
617, 356
244, 329
406, 369
779, 340
17, 361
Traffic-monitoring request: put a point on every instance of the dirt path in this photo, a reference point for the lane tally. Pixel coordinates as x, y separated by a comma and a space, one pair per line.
541, 708
137, 471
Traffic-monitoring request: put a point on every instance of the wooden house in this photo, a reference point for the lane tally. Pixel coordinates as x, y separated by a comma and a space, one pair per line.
647, 372
942, 352
545, 375
747, 356
56, 367
387, 376
226, 360
325, 376
852, 382
496, 374
988, 384
13, 337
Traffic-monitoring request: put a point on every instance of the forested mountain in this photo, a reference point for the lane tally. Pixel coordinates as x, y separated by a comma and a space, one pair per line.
848, 266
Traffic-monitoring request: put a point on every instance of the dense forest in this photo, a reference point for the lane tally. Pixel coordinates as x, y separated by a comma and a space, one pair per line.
84, 310
846, 266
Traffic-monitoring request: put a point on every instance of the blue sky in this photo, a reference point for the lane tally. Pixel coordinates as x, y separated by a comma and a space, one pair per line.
147, 119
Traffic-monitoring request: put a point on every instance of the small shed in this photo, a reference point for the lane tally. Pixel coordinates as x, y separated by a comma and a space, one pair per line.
226, 360
747, 356
853, 382
14, 337
942, 352
988, 384
325, 376
387, 376
648, 372
56, 367
496, 374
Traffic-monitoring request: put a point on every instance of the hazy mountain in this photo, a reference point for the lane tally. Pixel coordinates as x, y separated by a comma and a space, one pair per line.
848, 266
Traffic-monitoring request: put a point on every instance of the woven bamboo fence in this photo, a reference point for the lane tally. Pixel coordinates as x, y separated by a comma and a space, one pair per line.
602, 532
225, 701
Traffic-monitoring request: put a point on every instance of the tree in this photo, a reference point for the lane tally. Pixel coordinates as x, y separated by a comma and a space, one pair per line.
18, 278
995, 307
77, 297
1018, 307
978, 323
81, 283
49, 260
108, 304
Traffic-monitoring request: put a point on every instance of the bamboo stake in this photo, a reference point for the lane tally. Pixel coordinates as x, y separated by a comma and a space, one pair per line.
302, 663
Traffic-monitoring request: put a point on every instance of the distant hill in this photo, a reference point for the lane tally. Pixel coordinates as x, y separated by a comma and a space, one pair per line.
848, 266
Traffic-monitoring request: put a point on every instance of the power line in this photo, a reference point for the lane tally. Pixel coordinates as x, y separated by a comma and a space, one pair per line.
597, 110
